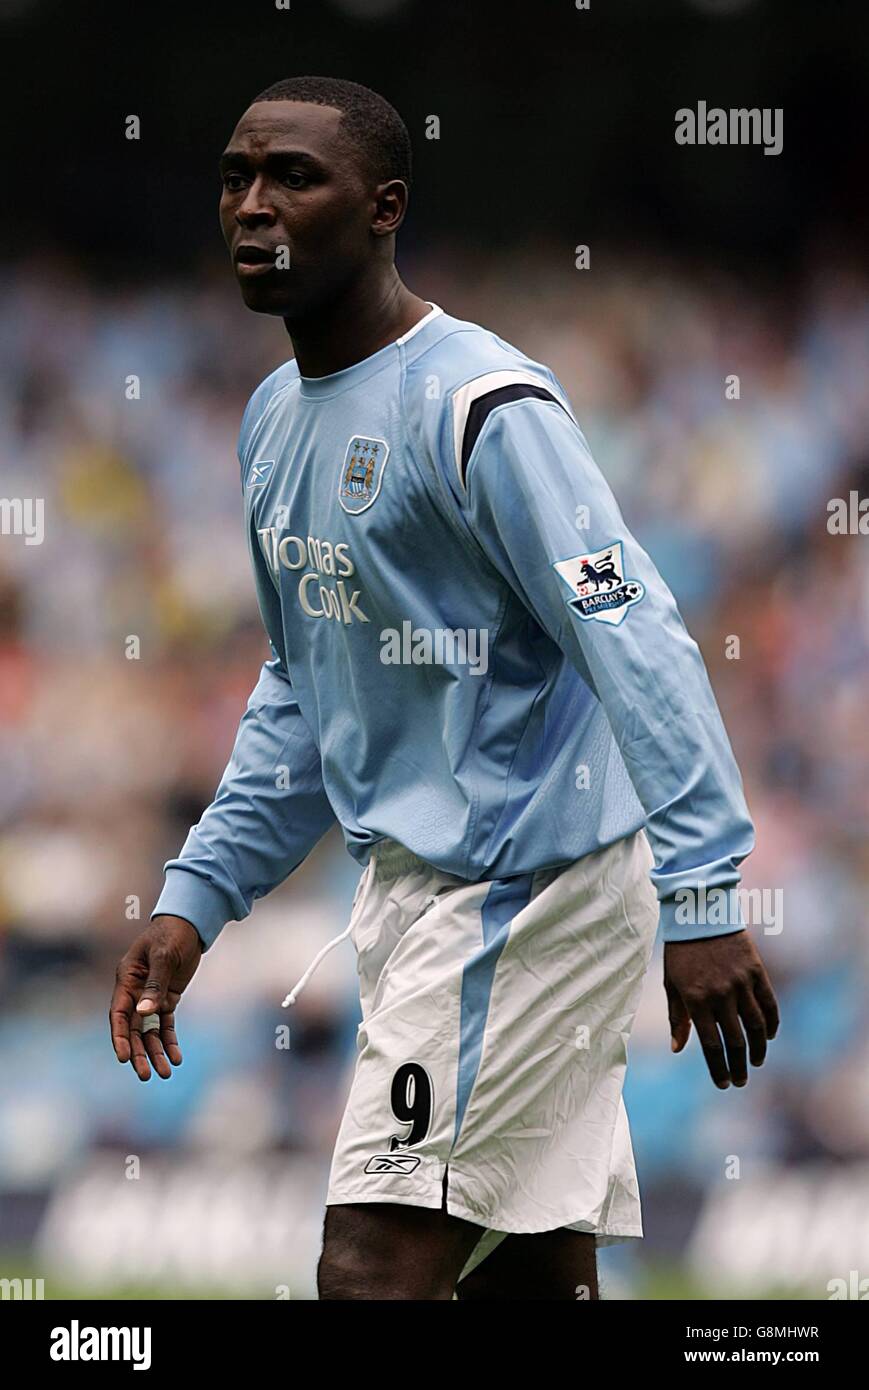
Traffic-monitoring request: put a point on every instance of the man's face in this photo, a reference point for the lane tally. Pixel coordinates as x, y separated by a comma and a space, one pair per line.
291, 181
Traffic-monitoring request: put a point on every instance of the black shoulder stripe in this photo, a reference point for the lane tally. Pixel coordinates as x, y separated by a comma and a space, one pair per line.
483, 407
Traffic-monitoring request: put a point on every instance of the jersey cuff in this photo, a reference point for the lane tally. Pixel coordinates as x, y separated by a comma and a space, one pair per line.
674, 927
188, 895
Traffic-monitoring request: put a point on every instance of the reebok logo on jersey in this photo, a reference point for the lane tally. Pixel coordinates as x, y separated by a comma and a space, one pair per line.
599, 590
318, 558
361, 472
260, 473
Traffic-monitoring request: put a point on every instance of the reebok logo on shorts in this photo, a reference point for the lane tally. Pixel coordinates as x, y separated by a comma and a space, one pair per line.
392, 1163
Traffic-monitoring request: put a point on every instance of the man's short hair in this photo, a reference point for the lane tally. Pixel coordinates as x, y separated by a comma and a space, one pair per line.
367, 119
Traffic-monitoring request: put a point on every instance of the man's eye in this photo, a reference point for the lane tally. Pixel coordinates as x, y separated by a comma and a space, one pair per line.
233, 183
295, 178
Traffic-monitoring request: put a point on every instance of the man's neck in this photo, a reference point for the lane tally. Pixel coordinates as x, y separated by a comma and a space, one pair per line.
355, 326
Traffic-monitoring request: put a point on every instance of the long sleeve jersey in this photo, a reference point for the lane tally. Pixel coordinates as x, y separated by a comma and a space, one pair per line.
471, 654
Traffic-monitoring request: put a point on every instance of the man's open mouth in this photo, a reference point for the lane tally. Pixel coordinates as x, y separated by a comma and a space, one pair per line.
249, 257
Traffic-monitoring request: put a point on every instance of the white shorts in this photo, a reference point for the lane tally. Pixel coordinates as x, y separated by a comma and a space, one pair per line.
493, 1043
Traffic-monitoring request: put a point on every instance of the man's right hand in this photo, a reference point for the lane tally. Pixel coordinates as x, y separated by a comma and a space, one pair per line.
150, 980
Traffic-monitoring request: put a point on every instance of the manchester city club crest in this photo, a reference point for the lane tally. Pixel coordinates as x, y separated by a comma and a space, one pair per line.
361, 472
600, 591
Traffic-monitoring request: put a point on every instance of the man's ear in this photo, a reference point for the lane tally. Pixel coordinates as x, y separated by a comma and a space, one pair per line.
390, 206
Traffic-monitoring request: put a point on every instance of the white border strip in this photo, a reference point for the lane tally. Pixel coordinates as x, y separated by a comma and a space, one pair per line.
464, 398
427, 318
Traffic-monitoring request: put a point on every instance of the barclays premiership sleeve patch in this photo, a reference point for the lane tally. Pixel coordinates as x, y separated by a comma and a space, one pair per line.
599, 590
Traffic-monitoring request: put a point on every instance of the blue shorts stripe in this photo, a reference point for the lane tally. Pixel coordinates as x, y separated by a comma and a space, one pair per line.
506, 897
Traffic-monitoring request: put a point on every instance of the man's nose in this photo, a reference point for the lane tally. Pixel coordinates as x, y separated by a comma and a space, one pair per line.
256, 208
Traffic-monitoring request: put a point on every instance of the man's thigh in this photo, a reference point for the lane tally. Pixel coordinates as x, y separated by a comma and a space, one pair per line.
386, 1251
551, 1265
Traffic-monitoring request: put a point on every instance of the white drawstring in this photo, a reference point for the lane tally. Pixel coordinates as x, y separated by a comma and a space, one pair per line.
297, 988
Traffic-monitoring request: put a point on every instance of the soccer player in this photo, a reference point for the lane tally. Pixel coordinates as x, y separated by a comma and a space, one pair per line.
478, 672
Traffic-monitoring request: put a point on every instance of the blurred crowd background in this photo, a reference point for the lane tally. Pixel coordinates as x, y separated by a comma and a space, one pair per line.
109, 751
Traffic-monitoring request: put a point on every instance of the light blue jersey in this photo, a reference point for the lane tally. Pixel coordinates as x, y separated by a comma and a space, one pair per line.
472, 655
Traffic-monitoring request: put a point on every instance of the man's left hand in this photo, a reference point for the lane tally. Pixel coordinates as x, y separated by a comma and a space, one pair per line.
720, 984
